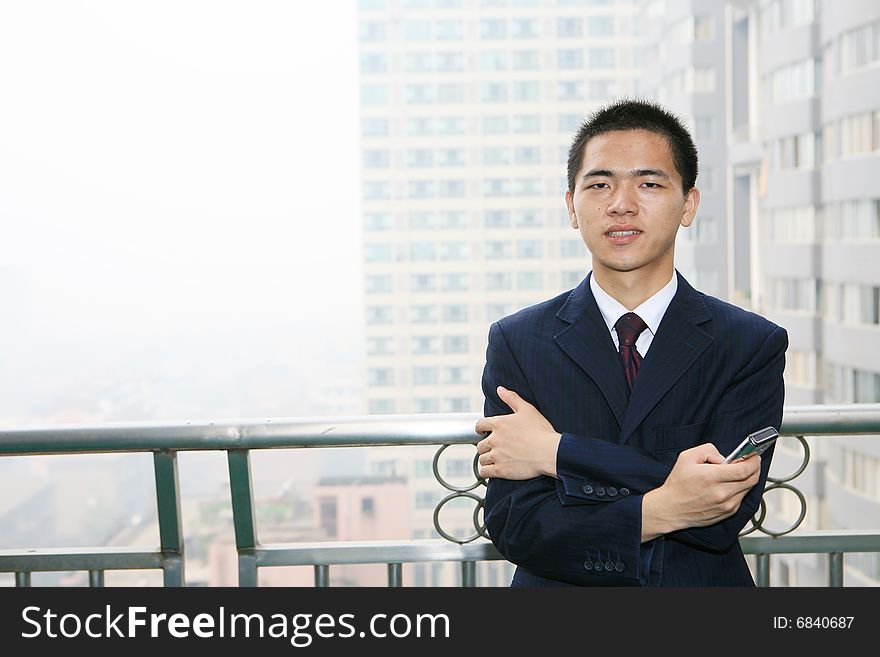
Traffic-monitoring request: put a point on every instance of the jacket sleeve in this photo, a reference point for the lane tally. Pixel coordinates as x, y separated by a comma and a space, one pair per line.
753, 400
588, 544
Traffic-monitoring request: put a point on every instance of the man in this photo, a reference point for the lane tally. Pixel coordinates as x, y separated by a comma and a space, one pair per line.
627, 392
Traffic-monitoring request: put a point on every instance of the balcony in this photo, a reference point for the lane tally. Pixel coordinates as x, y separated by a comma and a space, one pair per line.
238, 439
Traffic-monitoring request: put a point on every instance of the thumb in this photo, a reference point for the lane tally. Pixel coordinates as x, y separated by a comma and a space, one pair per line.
510, 398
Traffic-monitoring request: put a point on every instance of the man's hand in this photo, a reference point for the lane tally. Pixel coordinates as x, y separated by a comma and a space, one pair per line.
701, 490
520, 446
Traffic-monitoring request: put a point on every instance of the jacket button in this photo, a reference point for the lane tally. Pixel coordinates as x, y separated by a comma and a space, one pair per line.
619, 566
609, 566
588, 565
598, 566
612, 491
600, 492
624, 491
588, 489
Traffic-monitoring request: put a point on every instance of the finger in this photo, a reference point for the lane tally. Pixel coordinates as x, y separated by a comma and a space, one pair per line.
512, 399
483, 446
485, 459
486, 471
484, 426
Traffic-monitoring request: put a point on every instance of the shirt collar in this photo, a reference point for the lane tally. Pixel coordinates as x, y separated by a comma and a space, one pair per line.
651, 310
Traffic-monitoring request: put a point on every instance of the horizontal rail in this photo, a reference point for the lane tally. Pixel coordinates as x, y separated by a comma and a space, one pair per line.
365, 552
815, 542
359, 431
105, 558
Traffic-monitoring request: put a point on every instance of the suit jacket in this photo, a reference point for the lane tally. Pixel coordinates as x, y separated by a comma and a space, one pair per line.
713, 374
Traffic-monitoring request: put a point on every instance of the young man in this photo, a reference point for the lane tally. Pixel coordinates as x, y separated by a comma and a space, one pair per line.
610, 408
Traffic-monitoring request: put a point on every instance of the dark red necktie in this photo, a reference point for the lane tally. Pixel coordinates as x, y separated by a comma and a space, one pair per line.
629, 327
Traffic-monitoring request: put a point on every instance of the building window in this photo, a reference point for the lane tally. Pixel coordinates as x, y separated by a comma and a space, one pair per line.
571, 58
381, 406
375, 127
601, 58
378, 221
378, 252
368, 506
793, 82
569, 28
495, 125
529, 280
423, 314
499, 280
454, 251
859, 47
497, 250
424, 344
380, 346
529, 249
380, 376
379, 283
423, 283
572, 249
423, 376
455, 313
527, 124
454, 282
426, 405
455, 344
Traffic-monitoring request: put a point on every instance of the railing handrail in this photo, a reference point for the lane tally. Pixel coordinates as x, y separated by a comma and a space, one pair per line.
354, 431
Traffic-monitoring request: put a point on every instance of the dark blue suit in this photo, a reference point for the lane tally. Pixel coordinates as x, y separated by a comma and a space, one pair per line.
713, 374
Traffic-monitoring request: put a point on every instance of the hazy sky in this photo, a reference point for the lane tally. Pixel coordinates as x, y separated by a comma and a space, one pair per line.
182, 163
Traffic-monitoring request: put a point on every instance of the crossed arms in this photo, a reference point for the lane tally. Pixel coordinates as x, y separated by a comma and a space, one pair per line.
531, 514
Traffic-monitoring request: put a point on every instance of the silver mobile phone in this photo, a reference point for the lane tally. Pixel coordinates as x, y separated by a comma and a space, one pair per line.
754, 443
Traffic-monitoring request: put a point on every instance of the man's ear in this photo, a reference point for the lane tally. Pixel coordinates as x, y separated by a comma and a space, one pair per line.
572, 217
691, 203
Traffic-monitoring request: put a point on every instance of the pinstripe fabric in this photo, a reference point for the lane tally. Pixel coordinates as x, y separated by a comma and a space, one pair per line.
713, 374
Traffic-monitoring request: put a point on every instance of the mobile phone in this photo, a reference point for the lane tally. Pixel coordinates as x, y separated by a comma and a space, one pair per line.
754, 443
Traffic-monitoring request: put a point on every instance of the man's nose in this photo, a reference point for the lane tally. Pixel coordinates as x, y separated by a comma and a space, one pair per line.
623, 201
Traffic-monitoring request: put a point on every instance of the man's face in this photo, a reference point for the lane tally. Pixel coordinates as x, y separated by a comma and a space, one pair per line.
628, 202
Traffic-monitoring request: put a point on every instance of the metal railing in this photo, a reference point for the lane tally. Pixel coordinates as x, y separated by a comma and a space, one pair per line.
238, 438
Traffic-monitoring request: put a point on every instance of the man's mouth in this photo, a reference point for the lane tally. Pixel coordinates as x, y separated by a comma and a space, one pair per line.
623, 233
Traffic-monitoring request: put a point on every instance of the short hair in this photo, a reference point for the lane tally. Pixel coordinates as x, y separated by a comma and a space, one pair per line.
631, 114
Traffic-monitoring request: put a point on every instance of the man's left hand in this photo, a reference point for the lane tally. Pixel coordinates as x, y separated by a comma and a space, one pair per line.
519, 446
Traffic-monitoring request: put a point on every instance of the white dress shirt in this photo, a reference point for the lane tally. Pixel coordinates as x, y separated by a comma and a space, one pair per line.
651, 311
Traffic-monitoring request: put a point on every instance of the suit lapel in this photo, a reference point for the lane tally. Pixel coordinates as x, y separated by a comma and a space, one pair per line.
676, 346
588, 343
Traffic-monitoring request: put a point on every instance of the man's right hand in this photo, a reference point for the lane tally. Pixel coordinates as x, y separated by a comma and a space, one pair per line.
701, 490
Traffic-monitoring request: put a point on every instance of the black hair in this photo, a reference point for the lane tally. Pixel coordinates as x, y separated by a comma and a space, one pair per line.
631, 114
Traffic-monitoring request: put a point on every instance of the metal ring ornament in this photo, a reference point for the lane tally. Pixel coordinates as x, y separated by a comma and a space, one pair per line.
446, 484
762, 514
449, 537
800, 470
801, 516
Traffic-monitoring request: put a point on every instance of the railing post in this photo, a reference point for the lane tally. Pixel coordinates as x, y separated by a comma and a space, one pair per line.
322, 575
243, 515
835, 569
168, 508
22, 579
469, 573
395, 574
96, 578
763, 575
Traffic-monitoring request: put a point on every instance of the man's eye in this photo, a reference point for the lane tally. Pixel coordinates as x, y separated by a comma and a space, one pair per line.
599, 185
651, 185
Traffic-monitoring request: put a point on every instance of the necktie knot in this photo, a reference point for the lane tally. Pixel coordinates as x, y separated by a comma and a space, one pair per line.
629, 327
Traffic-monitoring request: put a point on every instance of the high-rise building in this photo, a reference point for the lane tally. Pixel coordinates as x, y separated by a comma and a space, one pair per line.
468, 108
